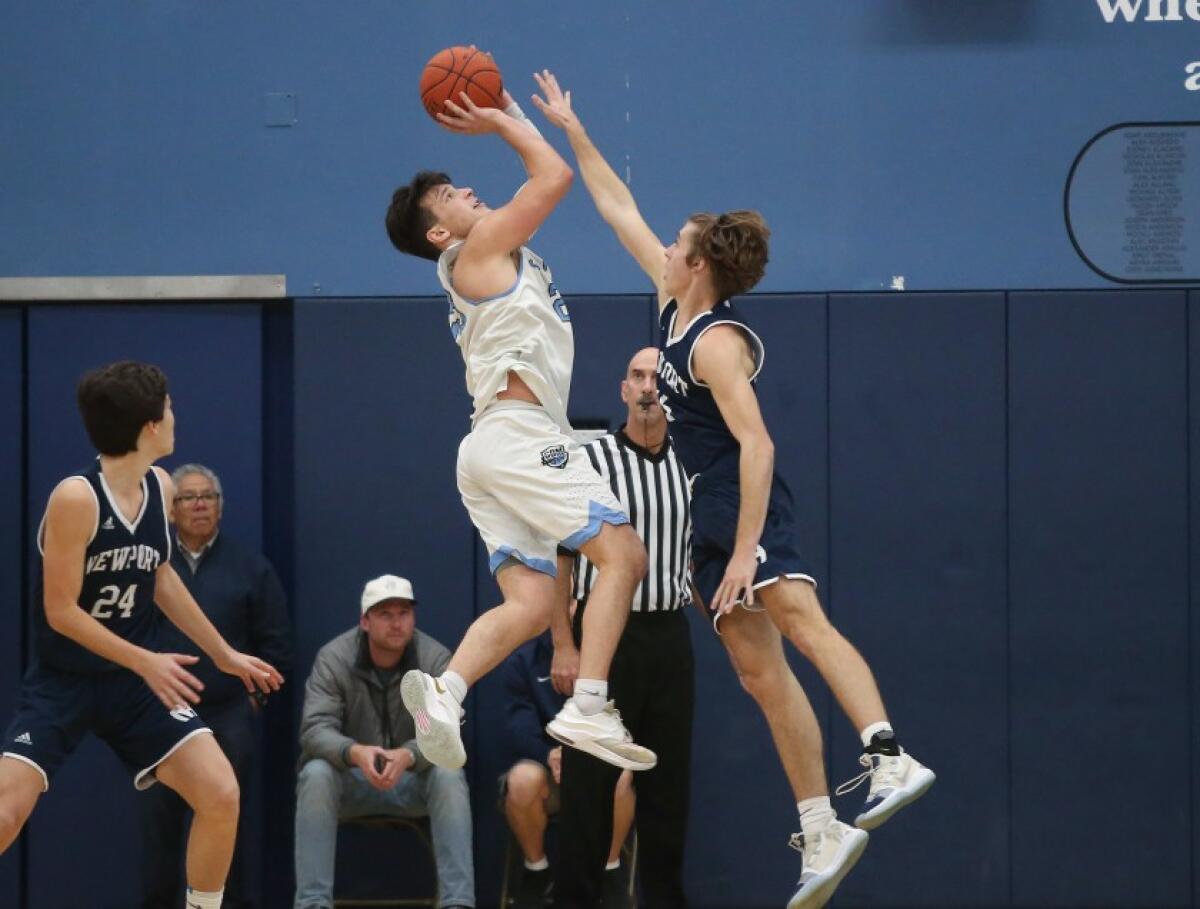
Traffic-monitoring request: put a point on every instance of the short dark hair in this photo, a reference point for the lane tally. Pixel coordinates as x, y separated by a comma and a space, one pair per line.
117, 400
735, 246
408, 221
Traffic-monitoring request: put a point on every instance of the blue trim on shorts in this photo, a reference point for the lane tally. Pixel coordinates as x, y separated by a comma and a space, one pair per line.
504, 553
597, 514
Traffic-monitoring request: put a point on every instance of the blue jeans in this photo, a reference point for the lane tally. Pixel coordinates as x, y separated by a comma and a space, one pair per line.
326, 794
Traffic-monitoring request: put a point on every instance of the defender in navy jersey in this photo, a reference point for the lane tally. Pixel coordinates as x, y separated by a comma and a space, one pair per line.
746, 562
105, 551
522, 476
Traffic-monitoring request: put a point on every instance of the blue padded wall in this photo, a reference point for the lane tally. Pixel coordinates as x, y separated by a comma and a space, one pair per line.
212, 357
12, 547
738, 785
380, 408
1194, 561
917, 397
1099, 611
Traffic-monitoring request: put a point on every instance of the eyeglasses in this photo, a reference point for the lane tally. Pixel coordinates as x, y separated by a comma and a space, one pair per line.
191, 498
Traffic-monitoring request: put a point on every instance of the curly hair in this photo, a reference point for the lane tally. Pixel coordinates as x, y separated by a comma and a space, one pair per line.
408, 220
735, 247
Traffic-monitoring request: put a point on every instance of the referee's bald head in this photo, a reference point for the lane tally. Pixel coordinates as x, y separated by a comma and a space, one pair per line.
646, 358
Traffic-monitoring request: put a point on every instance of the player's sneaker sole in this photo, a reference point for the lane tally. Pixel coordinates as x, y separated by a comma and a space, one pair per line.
581, 740
440, 741
915, 787
818, 890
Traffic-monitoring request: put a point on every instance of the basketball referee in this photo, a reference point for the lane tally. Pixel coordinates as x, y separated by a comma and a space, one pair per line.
651, 676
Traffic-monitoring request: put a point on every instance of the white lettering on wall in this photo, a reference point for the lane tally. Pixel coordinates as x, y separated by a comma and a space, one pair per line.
1192, 83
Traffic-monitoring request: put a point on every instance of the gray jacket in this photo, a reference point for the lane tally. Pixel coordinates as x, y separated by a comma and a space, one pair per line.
345, 704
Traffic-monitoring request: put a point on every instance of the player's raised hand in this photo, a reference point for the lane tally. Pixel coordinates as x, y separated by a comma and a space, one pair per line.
164, 674
469, 118
557, 103
254, 673
737, 585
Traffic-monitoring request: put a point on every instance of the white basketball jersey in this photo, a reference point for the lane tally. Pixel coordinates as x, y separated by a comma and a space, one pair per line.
526, 330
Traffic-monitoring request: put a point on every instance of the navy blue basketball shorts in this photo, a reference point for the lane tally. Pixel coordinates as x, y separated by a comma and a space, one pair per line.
714, 529
57, 709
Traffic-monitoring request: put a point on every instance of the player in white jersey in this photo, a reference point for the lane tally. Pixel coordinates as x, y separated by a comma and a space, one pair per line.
525, 482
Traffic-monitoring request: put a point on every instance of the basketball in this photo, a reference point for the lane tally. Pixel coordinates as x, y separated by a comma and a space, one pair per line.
460, 69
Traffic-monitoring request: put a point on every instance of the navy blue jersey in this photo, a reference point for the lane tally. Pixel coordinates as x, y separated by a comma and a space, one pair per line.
118, 576
699, 435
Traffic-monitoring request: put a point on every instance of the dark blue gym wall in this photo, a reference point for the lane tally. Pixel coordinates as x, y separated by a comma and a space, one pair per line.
996, 471
12, 376
994, 488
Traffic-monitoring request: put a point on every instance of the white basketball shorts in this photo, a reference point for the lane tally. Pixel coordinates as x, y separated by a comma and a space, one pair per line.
528, 487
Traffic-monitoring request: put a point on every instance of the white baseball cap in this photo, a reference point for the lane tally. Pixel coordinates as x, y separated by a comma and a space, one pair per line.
386, 587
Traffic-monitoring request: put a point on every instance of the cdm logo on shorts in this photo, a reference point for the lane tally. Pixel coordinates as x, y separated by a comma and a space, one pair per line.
555, 456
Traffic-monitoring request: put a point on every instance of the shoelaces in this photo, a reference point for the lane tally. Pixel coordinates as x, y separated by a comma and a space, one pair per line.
884, 776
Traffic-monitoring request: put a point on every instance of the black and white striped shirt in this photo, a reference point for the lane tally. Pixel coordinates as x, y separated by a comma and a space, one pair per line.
654, 490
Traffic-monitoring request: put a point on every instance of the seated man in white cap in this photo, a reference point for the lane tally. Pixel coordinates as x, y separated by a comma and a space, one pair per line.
359, 754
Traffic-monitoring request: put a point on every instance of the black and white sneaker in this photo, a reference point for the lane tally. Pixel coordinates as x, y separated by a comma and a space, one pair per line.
828, 857
896, 781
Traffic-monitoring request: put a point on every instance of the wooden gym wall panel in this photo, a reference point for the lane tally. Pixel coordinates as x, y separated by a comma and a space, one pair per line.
13, 549
917, 521
211, 354
1098, 591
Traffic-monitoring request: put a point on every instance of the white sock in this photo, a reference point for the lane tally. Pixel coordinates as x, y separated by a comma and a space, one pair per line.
815, 814
456, 685
590, 695
613, 865
540, 865
869, 733
202, 899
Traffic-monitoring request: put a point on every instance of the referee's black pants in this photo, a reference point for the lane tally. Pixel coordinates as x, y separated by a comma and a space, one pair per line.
652, 682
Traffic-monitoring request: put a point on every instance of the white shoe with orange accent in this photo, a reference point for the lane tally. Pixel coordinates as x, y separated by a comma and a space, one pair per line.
437, 716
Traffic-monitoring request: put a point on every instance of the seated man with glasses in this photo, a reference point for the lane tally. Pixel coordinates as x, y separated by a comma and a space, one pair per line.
240, 593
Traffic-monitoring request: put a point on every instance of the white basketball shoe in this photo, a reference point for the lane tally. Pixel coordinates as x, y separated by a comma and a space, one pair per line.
602, 735
896, 781
829, 855
437, 717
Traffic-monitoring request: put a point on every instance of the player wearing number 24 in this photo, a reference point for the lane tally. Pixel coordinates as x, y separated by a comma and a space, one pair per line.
105, 548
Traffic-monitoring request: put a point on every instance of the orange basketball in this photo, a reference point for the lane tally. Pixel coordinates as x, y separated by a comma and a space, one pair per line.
460, 69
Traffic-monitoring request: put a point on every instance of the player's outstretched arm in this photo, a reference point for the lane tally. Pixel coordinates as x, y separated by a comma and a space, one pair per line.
723, 362
70, 517
510, 226
613, 199
177, 603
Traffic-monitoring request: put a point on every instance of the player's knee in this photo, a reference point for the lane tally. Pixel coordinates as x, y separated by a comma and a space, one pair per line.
218, 796
807, 627
760, 678
629, 553
12, 819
